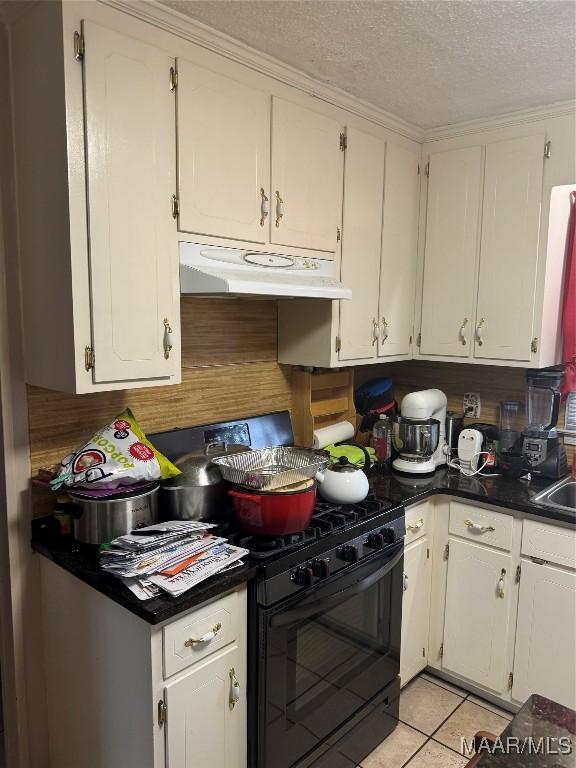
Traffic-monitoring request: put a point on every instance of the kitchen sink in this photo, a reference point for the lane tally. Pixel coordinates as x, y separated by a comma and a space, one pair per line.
561, 495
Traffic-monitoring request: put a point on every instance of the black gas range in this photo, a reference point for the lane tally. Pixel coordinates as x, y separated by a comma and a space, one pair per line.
324, 621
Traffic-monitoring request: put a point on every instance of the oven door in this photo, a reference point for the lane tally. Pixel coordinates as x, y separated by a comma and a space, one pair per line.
326, 654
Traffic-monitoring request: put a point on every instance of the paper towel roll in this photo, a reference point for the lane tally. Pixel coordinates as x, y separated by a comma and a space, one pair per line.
335, 433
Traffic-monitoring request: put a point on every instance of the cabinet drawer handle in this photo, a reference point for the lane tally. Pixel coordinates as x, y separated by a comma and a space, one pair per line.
405, 582
207, 638
416, 526
264, 206
234, 689
279, 208
462, 332
375, 331
500, 585
384, 329
479, 528
167, 338
479, 338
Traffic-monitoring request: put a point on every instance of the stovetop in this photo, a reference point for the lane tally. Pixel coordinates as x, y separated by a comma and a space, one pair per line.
331, 525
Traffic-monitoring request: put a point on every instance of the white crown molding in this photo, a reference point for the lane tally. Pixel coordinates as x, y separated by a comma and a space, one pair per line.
178, 24
557, 109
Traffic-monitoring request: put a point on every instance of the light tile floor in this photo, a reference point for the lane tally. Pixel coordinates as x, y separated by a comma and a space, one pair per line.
434, 715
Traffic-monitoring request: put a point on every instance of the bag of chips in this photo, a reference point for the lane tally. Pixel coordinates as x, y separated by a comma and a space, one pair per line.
118, 455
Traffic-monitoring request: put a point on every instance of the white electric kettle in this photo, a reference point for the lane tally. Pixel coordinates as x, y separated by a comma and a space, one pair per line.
344, 483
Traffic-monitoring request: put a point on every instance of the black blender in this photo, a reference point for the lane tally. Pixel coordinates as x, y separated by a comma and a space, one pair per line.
542, 449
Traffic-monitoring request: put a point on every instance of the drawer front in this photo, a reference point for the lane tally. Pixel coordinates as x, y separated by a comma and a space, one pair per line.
483, 526
549, 542
418, 522
201, 632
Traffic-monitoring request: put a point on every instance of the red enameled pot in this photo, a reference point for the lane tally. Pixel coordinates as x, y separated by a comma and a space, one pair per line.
275, 513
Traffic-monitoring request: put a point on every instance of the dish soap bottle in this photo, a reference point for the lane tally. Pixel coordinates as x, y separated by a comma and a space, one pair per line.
382, 439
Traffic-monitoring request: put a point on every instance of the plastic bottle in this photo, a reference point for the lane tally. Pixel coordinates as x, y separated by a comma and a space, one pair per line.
382, 439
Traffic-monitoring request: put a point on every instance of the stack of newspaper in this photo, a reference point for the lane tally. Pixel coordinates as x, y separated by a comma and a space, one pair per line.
171, 557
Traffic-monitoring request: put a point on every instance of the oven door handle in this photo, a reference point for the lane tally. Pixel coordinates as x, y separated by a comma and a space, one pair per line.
307, 609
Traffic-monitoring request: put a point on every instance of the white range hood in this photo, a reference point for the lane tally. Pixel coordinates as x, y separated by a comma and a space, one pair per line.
209, 269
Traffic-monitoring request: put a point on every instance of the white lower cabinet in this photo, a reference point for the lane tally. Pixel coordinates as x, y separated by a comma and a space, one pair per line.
415, 609
206, 726
477, 618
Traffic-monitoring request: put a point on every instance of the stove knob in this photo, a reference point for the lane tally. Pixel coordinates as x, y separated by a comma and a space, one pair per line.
303, 576
375, 541
349, 553
388, 535
321, 568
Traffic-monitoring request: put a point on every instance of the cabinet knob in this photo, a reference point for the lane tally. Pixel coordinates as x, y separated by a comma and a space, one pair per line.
264, 206
462, 332
479, 328
208, 637
167, 338
279, 208
234, 689
384, 329
375, 331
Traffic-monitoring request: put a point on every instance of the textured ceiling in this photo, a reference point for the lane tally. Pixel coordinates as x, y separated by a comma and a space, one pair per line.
431, 62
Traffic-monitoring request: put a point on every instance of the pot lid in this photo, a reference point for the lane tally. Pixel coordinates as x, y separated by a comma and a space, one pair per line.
343, 465
197, 467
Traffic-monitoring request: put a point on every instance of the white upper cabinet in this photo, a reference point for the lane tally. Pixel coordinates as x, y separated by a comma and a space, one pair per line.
306, 203
509, 248
399, 243
223, 155
133, 254
362, 231
452, 226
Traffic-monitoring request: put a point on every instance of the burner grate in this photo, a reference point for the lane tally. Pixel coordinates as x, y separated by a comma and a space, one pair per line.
328, 518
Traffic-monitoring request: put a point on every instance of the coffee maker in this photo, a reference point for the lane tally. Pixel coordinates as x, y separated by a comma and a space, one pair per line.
542, 449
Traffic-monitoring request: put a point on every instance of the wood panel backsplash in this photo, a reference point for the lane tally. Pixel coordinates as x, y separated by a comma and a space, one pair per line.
229, 371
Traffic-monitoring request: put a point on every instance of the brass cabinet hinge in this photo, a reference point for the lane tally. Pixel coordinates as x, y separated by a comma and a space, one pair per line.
548, 150
175, 207
419, 339
338, 234
427, 553
338, 344
510, 680
79, 46
162, 712
173, 79
441, 651
446, 551
343, 142
427, 170
424, 653
418, 169
534, 345
518, 574
89, 358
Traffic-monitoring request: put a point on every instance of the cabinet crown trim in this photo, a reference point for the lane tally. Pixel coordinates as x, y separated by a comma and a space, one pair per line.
183, 26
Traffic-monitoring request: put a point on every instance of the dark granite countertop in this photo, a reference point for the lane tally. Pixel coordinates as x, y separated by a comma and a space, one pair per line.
499, 490
82, 560
541, 735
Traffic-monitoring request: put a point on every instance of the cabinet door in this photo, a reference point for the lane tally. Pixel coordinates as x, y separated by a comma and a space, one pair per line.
509, 248
223, 155
202, 729
130, 153
451, 246
415, 609
362, 232
477, 617
544, 660
399, 241
307, 176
